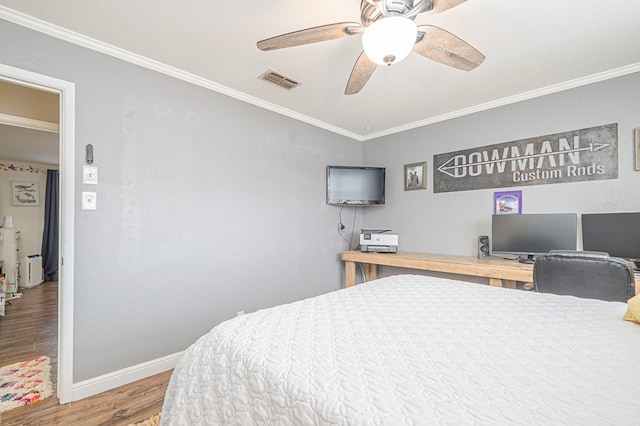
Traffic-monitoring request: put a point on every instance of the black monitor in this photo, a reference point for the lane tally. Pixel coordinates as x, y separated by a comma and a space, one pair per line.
531, 235
615, 233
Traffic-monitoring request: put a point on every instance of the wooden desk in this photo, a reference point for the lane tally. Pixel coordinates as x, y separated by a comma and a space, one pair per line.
499, 271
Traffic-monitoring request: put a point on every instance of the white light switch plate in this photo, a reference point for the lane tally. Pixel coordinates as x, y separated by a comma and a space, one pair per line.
90, 175
89, 201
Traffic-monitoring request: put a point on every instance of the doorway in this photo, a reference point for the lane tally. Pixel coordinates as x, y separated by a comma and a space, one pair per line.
66, 148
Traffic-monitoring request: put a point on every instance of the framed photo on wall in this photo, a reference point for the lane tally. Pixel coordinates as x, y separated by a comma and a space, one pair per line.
25, 193
414, 176
507, 202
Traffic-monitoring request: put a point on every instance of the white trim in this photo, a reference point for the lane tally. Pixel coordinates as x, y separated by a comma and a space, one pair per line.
28, 123
67, 242
90, 43
583, 81
66, 92
93, 44
125, 376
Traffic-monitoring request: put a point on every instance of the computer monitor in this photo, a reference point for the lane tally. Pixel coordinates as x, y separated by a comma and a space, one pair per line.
531, 235
615, 233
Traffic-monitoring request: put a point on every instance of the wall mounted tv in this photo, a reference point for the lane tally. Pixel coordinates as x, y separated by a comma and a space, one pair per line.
530, 235
355, 185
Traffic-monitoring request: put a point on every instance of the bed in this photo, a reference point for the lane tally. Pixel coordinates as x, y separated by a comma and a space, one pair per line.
411, 349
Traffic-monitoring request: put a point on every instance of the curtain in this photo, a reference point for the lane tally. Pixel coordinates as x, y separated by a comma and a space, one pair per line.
50, 235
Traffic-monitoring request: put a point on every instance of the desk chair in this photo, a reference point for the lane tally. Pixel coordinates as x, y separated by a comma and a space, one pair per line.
587, 274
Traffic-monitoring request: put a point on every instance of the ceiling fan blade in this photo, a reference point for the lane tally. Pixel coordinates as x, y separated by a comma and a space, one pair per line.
442, 46
311, 35
362, 71
442, 5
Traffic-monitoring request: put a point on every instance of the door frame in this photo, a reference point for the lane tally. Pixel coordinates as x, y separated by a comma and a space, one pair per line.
66, 152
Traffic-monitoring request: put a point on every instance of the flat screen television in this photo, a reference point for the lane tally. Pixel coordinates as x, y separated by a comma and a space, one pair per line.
355, 185
531, 235
615, 233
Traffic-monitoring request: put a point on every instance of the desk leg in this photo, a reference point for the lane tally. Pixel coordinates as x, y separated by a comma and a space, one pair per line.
372, 272
510, 284
350, 273
496, 282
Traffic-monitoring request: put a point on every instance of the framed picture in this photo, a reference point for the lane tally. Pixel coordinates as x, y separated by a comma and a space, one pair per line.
507, 202
638, 148
25, 194
414, 176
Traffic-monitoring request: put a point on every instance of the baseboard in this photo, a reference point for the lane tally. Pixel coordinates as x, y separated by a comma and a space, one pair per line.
122, 377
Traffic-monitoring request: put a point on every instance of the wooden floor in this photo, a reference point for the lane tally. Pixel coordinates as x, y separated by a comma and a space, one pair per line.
28, 330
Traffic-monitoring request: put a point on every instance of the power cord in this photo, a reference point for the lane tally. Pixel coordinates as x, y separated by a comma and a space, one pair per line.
349, 242
341, 227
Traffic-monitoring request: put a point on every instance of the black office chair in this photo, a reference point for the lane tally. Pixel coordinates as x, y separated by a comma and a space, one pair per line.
587, 274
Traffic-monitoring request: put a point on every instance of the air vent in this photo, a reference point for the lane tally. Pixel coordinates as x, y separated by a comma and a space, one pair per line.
279, 79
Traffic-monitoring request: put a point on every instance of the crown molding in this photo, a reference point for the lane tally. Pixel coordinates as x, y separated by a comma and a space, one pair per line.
28, 123
90, 43
142, 61
555, 88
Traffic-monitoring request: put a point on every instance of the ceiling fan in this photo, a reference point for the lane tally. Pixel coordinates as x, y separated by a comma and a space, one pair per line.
389, 34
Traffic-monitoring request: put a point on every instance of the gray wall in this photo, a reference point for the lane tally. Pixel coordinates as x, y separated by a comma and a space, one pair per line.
206, 205
449, 223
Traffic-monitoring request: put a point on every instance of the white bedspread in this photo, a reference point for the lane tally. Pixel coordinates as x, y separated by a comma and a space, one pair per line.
415, 350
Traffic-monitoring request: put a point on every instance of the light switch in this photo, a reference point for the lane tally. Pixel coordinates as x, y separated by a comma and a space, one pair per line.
90, 175
88, 201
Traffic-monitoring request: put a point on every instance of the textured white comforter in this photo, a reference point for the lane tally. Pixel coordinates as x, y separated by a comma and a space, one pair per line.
415, 350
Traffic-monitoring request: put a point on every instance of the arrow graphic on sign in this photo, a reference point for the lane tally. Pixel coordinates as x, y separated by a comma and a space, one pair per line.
445, 167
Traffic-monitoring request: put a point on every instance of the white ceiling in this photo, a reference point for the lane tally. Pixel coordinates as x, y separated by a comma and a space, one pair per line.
531, 47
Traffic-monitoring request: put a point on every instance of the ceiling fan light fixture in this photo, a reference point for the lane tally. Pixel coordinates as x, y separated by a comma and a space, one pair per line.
389, 40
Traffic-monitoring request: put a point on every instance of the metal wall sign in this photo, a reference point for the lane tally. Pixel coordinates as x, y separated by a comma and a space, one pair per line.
578, 155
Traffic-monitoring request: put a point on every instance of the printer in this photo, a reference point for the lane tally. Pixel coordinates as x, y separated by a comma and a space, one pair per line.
378, 240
